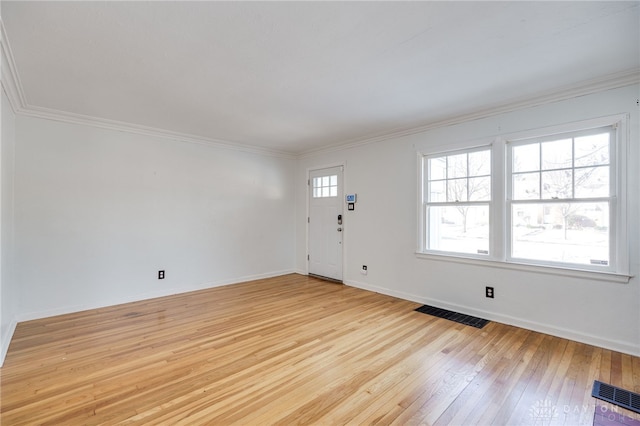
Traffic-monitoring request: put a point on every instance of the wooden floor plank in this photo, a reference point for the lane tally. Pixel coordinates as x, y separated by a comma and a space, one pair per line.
535, 394
295, 350
474, 397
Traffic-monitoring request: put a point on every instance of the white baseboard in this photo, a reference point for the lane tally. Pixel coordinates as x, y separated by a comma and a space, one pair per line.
28, 316
5, 341
590, 339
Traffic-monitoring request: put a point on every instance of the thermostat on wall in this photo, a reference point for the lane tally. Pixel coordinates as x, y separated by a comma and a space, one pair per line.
351, 198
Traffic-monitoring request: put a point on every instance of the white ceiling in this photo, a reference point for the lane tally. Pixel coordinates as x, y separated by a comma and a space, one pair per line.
299, 76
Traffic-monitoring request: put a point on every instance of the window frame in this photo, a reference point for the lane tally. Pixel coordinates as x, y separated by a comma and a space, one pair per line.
425, 203
611, 199
501, 203
317, 191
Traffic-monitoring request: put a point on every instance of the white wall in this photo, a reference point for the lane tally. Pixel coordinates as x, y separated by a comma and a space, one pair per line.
381, 233
99, 212
8, 288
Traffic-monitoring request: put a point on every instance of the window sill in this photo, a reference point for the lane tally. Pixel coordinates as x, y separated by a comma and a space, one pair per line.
562, 272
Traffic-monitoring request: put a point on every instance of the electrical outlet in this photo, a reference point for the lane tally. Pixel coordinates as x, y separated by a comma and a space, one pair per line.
363, 271
161, 275
489, 292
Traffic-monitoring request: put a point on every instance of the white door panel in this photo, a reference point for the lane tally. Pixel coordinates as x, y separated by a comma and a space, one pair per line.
325, 233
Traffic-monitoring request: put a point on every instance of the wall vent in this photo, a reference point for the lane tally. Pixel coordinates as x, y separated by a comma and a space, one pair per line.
453, 316
616, 396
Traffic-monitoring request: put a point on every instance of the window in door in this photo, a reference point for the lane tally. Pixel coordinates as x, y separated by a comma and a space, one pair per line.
325, 186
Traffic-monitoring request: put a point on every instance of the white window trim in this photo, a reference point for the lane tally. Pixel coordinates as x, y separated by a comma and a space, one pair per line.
500, 219
516, 266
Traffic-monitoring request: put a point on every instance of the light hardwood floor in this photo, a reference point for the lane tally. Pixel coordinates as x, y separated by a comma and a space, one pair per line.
296, 350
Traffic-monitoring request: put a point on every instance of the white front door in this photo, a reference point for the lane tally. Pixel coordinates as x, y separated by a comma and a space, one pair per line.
325, 222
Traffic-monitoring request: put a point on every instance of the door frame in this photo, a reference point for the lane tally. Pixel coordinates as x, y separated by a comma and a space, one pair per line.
345, 231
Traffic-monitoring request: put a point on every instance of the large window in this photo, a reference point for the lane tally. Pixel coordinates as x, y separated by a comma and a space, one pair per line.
553, 201
458, 196
561, 196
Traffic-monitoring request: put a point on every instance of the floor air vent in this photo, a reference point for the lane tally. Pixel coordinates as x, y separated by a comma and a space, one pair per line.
453, 316
617, 396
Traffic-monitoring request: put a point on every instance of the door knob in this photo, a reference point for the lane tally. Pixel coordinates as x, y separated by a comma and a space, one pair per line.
339, 229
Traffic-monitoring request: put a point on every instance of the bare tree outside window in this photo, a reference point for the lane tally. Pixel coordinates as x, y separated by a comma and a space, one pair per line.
474, 186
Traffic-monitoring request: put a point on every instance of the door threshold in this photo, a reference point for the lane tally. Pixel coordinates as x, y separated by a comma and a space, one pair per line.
333, 280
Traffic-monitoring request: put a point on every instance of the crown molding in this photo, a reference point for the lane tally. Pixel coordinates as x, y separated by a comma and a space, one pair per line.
120, 126
102, 123
10, 79
601, 84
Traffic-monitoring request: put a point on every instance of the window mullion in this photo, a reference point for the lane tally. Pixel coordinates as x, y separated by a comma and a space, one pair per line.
564, 200
573, 167
540, 170
458, 203
500, 186
467, 176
